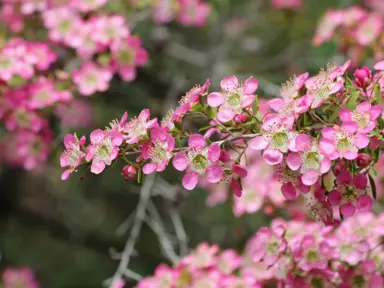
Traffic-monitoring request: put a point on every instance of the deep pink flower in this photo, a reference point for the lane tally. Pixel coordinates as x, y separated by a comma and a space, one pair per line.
73, 154
23, 277
191, 98
362, 77
199, 159
158, 150
275, 139
233, 98
129, 172
193, 12
108, 29
103, 149
43, 94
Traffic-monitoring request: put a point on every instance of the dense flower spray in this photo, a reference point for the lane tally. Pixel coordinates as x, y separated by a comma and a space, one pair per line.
321, 141
287, 254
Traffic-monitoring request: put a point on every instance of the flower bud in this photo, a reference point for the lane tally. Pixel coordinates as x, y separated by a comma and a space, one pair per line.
240, 118
129, 172
363, 160
363, 77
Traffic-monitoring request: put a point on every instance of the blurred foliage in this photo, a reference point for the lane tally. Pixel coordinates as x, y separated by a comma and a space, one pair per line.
66, 230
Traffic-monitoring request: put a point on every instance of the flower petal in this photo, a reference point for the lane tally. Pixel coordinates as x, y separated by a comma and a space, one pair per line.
310, 177
180, 161
294, 161
196, 141
215, 99
149, 168
258, 143
250, 86
190, 180
289, 191
273, 156
214, 173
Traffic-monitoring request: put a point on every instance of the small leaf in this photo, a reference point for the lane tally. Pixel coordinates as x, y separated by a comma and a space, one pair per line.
139, 176
352, 102
334, 114
211, 112
373, 186
378, 99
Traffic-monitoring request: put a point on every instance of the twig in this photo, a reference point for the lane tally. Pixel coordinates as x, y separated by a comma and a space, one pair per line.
145, 195
133, 275
156, 224
179, 229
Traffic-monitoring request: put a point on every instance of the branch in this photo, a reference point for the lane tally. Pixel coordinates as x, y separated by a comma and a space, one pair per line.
145, 195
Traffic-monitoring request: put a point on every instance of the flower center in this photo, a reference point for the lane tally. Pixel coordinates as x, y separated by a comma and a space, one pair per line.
126, 57
362, 119
312, 159
158, 152
279, 140
273, 247
312, 256
234, 100
200, 163
343, 144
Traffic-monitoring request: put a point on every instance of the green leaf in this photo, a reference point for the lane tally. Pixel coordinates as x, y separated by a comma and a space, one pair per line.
211, 112
373, 186
255, 107
139, 176
16, 81
352, 102
334, 114
197, 108
378, 99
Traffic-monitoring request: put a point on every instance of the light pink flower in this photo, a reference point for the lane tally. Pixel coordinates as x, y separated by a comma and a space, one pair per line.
43, 94
369, 29
44, 56
23, 118
164, 10
308, 158
326, 28
23, 277
73, 154
138, 127
342, 141
87, 5
275, 139
364, 116
268, 245
204, 256
193, 12
108, 29
326, 83
103, 149
91, 78
199, 159
76, 114
30, 6
233, 98
62, 23
291, 106
158, 150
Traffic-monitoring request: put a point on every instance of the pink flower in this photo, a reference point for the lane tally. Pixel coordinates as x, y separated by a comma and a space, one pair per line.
164, 10
379, 65
326, 83
118, 284
23, 277
364, 116
43, 55
342, 141
228, 261
274, 140
62, 23
103, 149
159, 150
87, 5
193, 12
23, 118
268, 245
368, 30
362, 77
138, 127
108, 29
289, 106
204, 256
30, 6
233, 98
191, 98
76, 114
287, 4
326, 28
199, 159
73, 154
350, 194
126, 55
308, 158
43, 94
91, 78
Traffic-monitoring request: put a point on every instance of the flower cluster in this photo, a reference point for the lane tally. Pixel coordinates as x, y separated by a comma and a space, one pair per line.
357, 31
19, 278
289, 254
186, 12
321, 140
83, 48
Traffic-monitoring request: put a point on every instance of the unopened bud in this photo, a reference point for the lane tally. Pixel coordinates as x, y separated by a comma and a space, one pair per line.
363, 160
129, 172
363, 77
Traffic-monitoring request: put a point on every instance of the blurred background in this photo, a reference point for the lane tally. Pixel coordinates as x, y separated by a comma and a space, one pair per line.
71, 232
